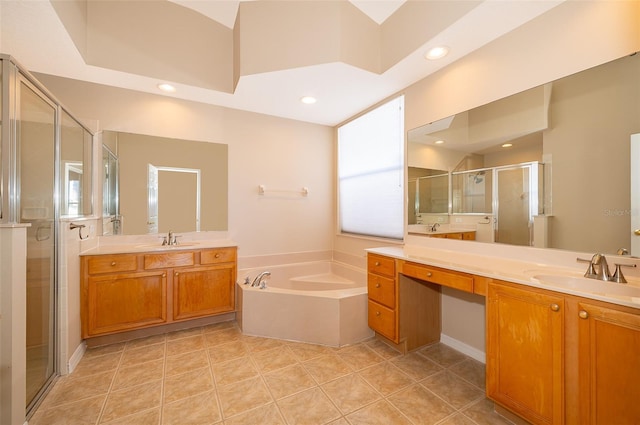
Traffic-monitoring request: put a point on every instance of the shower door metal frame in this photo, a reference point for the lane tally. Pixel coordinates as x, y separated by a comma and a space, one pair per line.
22, 78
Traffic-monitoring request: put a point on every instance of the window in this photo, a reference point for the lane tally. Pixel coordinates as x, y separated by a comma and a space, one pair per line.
371, 172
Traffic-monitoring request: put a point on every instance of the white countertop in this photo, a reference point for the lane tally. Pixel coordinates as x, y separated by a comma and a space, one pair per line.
519, 271
135, 248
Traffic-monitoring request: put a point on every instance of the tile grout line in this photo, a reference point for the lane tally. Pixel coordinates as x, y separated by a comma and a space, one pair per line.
113, 380
213, 376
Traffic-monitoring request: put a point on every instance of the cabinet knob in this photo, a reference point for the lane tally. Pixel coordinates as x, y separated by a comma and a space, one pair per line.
636, 232
113, 263
164, 275
429, 274
176, 274
377, 263
555, 307
377, 285
377, 313
583, 314
217, 255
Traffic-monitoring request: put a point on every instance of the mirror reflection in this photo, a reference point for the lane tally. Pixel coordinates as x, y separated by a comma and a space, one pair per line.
579, 127
156, 184
75, 168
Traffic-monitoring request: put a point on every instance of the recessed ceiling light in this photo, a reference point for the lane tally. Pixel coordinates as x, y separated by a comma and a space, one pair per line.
437, 52
309, 100
439, 142
507, 145
166, 87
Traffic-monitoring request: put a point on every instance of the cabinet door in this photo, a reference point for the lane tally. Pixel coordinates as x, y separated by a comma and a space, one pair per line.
525, 356
119, 302
203, 291
609, 364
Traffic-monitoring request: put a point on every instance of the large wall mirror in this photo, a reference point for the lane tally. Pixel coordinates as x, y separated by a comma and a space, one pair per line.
157, 184
579, 127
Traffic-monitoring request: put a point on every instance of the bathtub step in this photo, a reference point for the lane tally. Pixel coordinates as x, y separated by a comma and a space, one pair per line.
322, 278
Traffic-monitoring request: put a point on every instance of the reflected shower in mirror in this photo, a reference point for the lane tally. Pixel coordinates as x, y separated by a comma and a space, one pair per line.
75, 168
578, 126
188, 189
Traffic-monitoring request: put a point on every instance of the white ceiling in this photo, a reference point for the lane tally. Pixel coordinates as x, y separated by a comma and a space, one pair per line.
31, 32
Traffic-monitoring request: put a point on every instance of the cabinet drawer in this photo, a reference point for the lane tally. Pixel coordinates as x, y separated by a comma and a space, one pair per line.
381, 265
169, 259
222, 255
382, 290
442, 277
112, 263
382, 320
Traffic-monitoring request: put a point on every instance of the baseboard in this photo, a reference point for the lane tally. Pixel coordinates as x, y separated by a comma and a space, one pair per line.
470, 351
77, 356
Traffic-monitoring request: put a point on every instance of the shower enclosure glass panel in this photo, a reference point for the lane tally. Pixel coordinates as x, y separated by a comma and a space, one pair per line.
75, 168
517, 201
514, 225
472, 191
433, 194
36, 143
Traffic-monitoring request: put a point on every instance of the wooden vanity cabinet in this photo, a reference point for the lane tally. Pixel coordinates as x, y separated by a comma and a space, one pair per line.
383, 296
206, 290
463, 236
404, 300
525, 352
123, 292
554, 358
608, 363
117, 302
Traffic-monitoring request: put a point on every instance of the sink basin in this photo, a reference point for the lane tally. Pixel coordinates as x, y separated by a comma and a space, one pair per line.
589, 285
156, 246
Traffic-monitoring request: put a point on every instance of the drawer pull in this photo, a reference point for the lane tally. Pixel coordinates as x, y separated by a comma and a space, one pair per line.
429, 274
377, 285
377, 263
583, 314
377, 313
555, 307
113, 263
217, 255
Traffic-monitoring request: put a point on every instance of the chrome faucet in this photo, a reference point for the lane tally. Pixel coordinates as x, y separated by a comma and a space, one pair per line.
171, 239
258, 281
598, 268
433, 227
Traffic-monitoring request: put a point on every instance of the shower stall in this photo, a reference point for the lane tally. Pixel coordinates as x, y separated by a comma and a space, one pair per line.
512, 195
42, 179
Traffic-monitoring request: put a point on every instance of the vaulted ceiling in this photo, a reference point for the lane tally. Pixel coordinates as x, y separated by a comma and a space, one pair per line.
261, 56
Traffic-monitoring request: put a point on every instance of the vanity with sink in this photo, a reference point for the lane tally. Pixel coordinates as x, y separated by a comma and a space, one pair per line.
560, 348
133, 287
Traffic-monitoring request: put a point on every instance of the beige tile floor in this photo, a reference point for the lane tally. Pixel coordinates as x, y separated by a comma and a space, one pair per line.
216, 375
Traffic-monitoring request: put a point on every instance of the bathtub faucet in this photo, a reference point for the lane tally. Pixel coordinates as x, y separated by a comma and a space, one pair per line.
258, 281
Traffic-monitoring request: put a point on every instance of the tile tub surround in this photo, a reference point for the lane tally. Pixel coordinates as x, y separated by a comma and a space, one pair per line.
216, 375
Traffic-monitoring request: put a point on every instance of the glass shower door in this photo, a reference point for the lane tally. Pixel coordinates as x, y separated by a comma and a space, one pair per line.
36, 145
512, 205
